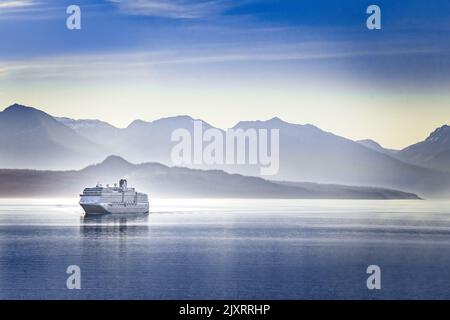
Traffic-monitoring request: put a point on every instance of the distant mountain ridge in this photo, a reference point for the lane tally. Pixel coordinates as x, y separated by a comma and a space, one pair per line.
307, 153
371, 144
30, 138
311, 154
433, 152
161, 181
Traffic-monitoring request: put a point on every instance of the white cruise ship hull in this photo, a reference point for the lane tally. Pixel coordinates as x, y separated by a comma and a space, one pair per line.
115, 209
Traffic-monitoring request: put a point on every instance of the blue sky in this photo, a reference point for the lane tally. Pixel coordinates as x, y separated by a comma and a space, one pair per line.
304, 60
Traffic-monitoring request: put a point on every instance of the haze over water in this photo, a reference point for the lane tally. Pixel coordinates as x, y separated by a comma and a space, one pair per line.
227, 249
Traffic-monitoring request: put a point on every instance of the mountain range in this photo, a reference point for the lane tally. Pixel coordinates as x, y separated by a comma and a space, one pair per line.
33, 139
162, 181
433, 152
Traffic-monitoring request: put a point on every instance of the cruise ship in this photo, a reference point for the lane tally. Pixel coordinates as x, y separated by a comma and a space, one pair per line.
117, 199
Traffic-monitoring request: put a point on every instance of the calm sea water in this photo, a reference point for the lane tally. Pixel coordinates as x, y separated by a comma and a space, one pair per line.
227, 249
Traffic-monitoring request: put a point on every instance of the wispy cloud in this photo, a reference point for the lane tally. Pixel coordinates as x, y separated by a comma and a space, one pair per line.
25, 9
30, 10
16, 4
145, 63
178, 9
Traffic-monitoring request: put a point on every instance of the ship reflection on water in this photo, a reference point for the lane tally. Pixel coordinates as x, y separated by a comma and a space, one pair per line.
113, 225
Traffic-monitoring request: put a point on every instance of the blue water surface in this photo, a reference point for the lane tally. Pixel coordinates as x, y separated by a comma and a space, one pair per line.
227, 249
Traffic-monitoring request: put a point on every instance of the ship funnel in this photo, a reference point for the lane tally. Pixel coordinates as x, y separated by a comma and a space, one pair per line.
123, 184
